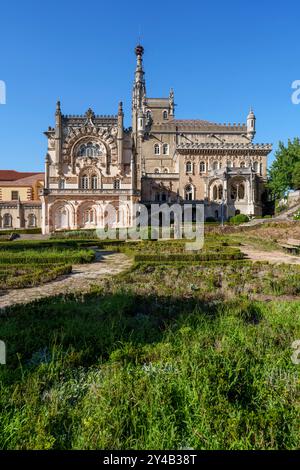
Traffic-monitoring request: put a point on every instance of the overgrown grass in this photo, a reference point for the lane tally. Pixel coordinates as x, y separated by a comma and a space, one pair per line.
123, 371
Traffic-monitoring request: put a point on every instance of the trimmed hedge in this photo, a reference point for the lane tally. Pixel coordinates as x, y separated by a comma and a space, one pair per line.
239, 219
35, 277
189, 257
21, 230
31, 257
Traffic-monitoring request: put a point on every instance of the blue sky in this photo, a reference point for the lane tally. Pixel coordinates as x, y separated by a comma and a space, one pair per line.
220, 58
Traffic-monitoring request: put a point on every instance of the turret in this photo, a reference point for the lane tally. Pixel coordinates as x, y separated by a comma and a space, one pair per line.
140, 123
139, 87
251, 119
58, 132
120, 134
47, 164
171, 102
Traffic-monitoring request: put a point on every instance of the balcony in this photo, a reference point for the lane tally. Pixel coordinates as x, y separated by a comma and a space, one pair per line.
96, 192
161, 176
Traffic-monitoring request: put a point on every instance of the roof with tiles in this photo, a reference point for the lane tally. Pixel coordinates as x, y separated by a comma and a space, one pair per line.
7, 178
12, 175
224, 146
200, 125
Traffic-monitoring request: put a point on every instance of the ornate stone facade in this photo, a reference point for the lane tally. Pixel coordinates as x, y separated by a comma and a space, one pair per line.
92, 160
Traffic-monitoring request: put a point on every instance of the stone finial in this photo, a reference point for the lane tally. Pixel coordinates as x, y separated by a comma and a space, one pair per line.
139, 50
58, 110
120, 109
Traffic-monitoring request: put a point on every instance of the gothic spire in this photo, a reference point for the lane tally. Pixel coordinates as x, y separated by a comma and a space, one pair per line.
139, 89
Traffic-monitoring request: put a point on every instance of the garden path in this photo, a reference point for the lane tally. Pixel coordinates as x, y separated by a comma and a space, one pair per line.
83, 276
270, 256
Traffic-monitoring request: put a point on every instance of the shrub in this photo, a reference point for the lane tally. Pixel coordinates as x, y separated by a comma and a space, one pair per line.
210, 219
239, 219
297, 216
21, 230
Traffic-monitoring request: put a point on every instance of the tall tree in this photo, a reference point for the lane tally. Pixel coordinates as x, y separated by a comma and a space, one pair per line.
283, 168
296, 176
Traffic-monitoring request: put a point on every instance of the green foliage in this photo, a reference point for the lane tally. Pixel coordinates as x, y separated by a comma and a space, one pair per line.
46, 256
284, 173
296, 175
21, 230
297, 216
239, 219
20, 276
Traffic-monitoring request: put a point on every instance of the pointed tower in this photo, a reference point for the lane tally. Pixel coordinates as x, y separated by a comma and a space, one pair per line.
58, 132
251, 121
138, 114
120, 135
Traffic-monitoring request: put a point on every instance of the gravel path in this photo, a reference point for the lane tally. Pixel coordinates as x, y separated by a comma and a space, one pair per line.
81, 279
270, 256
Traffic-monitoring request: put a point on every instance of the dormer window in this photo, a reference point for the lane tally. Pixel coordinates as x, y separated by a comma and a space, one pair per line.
165, 114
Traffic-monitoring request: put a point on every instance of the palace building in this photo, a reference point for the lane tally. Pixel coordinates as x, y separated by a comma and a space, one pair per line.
92, 161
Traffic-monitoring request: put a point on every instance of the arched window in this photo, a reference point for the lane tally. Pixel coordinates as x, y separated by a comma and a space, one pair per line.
163, 197
242, 165
215, 193
202, 167
166, 170
116, 184
189, 192
165, 149
89, 149
94, 181
7, 220
165, 114
89, 216
148, 115
256, 167
241, 191
84, 182
31, 220
156, 149
215, 165
237, 191
188, 167
156, 170
233, 192
220, 191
